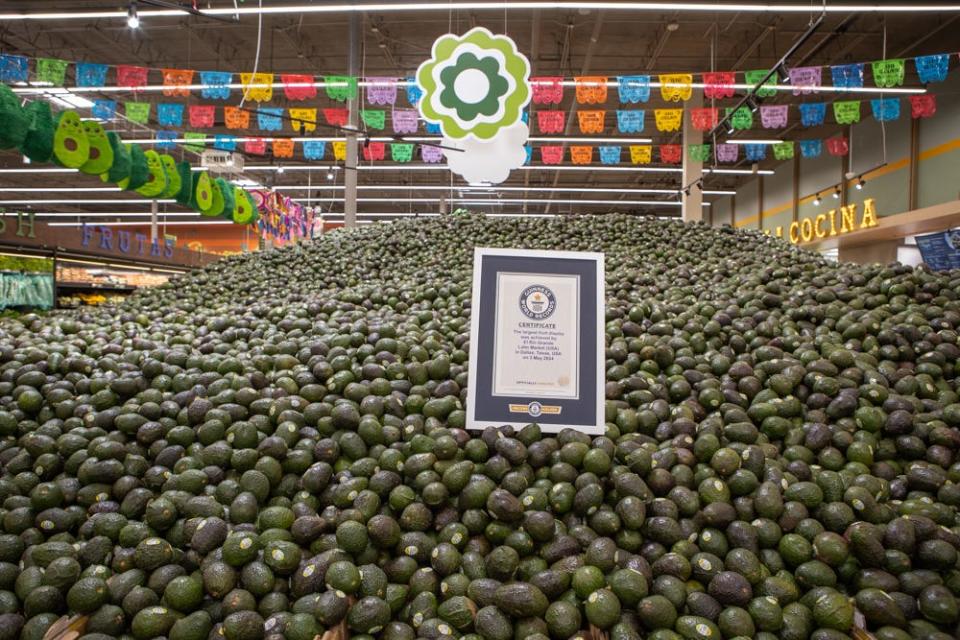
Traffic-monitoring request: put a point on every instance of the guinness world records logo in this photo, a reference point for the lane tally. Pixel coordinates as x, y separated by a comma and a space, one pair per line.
537, 302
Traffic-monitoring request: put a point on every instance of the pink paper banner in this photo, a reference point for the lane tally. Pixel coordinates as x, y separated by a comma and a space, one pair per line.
405, 120
838, 146
336, 117
256, 146
719, 84
382, 90
923, 105
804, 77
774, 116
705, 118
202, 115
552, 154
551, 121
671, 153
547, 90
374, 151
131, 76
298, 86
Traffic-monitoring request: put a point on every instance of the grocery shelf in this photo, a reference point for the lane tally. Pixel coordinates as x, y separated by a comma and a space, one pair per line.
96, 285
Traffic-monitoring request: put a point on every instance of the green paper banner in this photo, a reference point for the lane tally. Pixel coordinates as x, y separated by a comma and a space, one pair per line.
344, 92
138, 112
783, 150
699, 152
401, 151
52, 70
754, 77
741, 119
888, 73
374, 118
197, 146
846, 111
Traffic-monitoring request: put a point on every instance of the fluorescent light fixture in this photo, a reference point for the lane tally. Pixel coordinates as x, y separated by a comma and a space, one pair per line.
752, 141
138, 224
41, 170
60, 189
117, 214
83, 201
488, 5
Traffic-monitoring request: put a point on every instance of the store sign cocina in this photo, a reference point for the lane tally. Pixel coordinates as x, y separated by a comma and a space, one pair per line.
832, 223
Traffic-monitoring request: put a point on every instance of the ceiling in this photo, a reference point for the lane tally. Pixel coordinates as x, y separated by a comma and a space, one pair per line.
558, 42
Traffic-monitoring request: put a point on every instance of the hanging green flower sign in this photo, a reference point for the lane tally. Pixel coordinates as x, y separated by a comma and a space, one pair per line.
474, 85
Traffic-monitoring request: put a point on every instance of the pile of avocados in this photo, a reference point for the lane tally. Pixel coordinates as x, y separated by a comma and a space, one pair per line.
274, 447
70, 142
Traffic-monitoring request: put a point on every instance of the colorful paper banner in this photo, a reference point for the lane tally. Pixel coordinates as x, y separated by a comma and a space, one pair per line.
216, 85
888, 73
52, 70
283, 148
885, 109
236, 118
726, 152
846, 111
699, 152
374, 118
923, 105
91, 74
224, 142
932, 68
13, 68
838, 146
812, 114
105, 109
257, 86
270, 118
546, 90
201, 116
755, 152
591, 121
753, 78
591, 89
339, 150
431, 154
609, 155
298, 86
551, 154
774, 116
432, 128
551, 121
255, 146
740, 119
165, 140
676, 87
811, 148
196, 142
414, 93
783, 150
314, 149
405, 120
581, 154
382, 91
307, 118
341, 88
719, 84
528, 153
671, 153
847, 75
129, 75
138, 112
802, 78
641, 154
633, 89
401, 151
704, 118
336, 117
668, 119
630, 120
374, 151
170, 114
175, 82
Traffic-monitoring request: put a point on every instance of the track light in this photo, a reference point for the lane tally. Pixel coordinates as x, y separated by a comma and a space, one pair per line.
860, 183
133, 18
700, 185
816, 200
686, 191
329, 175
279, 169
836, 194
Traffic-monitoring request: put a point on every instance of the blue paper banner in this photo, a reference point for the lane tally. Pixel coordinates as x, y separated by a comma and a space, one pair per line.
314, 149
414, 93
432, 128
219, 80
525, 116
932, 68
811, 148
13, 68
170, 114
630, 121
610, 155
941, 251
104, 109
224, 142
633, 89
812, 113
91, 74
268, 118
885, 109
529, 150
755, 152
847, 75
165, 139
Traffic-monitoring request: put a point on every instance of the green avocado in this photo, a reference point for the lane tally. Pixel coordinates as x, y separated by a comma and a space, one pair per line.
186, 183
216, 199
100, 157
202, 198
157, 179
173, 175
14, 121
120, 169
244, 211
229, 201
38, 143
139, 172
70, 145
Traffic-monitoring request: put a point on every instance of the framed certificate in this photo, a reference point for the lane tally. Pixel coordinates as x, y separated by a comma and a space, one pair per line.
537, 340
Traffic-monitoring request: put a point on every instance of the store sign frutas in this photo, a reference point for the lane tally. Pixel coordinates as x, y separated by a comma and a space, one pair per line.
832, 223
125, 242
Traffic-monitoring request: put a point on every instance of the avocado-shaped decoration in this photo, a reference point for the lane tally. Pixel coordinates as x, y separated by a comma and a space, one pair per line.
38, 143
244, 210
229, 203
70, 146
120, 169
186, 183
173, 176
216, 202
139, 171
157, 180
14, 121
101, 153
202, 197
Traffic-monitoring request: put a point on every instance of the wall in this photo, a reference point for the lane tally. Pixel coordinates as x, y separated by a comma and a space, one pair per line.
938, 168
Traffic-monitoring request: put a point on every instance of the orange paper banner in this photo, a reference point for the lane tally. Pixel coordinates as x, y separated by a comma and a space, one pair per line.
174, 81
668, 119
591, 89
591, 121
283, 148
675, 87
236, 118
581, 154
307, 117
641, 153
257, 86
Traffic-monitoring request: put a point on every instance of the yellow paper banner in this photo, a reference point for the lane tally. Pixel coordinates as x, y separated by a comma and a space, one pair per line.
668, 119
308, 117
675, 87
641, 153
581, 154
591, 121
339, 149
257, 86
591, 89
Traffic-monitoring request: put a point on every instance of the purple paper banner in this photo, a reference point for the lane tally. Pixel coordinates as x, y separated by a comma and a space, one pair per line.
405, 120
774, 116
727, 152
382, 90
431, 155
804, 77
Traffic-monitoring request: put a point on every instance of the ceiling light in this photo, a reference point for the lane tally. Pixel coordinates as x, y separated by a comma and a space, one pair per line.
329, 175
133, 18
754, 141
279, 169
860, 183
673, 26
816, 200
836, 194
